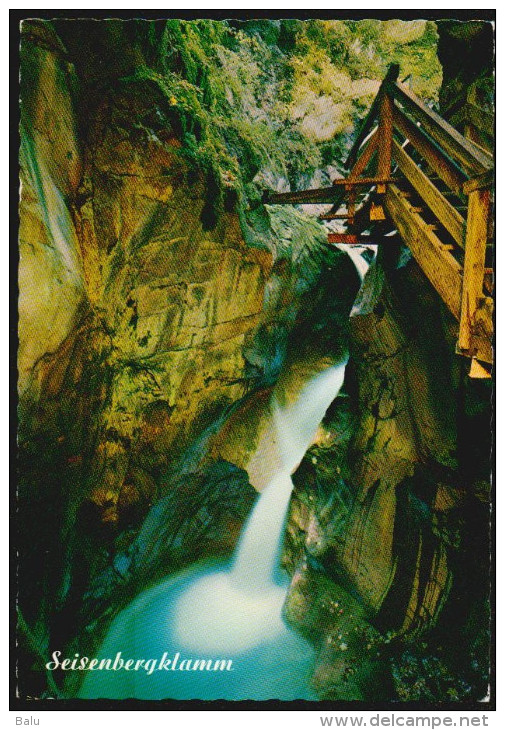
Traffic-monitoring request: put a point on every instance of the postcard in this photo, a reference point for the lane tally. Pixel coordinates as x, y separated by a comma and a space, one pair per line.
255, 361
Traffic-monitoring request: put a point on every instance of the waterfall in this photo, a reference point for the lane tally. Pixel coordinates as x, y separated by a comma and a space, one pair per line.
354, 253
258, 550
234, 610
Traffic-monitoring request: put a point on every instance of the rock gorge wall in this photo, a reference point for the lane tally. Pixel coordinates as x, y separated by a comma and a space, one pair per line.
161, 303
142, 321
401, 526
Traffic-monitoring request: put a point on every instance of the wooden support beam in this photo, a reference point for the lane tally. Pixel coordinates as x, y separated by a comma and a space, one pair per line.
335, 216
367, 153
363, 240
368, 122
431, 195
377, 212
485, 180
342, 238
471, 157
482, 345
440, 266
384, 150
488, 281
477, 370
351, 202
365, 181
351, 239
473, 273
317, 195
323, 195
436, 158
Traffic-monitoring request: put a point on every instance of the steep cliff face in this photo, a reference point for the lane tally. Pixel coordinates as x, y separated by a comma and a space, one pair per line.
145, 314
392, 503
466, 52
160, 306
403, 524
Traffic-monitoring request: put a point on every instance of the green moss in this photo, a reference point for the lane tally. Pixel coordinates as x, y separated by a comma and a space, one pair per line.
273, 98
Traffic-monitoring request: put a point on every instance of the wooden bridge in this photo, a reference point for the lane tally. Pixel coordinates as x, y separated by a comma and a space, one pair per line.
412, 171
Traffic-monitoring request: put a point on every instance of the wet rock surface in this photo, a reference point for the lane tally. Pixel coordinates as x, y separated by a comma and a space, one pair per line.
351, 663
161, 306
387, 499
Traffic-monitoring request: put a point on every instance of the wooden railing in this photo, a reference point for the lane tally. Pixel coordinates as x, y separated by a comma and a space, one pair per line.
409, 166
449, 177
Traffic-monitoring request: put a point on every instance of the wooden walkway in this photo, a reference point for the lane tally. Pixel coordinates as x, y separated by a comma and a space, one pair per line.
411, 170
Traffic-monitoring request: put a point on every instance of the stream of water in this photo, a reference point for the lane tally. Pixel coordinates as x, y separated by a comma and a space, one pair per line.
219, 625
230, 612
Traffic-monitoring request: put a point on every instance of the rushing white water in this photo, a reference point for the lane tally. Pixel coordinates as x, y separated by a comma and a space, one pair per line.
258, 549
354, 253
232, 612
235, 610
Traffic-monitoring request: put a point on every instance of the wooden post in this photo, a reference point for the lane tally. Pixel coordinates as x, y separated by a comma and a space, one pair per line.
385, 138
479, 202
351, 203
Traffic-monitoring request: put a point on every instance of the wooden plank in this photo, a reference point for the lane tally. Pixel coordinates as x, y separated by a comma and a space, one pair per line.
377, 212
367, 154
482, 332
472, 158
485, 180
457, 146
369, 120
365, 181
440, 267
446, 214
482, 347
317, 195
342, 238
438, 161
363, 132
352, 239
477, 370
368, 151
335, 216
474, 265
322, 195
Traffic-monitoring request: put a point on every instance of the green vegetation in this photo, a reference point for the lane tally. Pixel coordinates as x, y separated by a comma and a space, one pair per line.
259, 102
